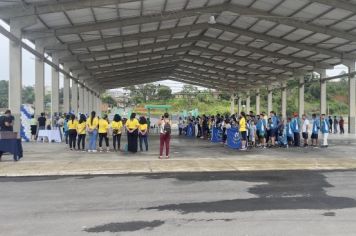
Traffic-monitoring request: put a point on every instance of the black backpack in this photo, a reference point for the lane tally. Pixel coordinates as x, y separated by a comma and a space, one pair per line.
167, 128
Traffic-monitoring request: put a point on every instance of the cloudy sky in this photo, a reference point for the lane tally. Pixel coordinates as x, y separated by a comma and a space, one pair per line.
28, 67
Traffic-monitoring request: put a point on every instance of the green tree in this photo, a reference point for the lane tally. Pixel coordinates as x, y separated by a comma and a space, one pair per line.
28, 95
4, 93
142, 93
164, 93
190, 89
109, 100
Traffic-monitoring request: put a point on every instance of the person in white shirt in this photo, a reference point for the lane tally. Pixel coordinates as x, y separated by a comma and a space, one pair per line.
305, 129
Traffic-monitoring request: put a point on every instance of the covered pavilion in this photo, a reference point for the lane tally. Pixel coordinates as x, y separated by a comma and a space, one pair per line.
240, 46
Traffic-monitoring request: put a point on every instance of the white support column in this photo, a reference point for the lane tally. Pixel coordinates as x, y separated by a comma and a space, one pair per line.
323, 102
301, 95
39, 82
15, 82
248, 102
91, 108
269, 99
284, 100
74, 97
258, 97
100, 106
66, 93
232, 104
97, 104
55, 88
352, 100
81, 108
86, 100
239, 101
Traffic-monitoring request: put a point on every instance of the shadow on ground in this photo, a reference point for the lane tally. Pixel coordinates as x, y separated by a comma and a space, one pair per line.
284, 190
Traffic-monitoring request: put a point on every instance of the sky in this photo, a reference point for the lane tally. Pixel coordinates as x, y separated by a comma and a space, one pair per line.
28, 67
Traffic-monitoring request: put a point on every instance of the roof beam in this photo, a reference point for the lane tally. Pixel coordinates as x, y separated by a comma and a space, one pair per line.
341, 4
272, 39
242, 10
178, 78
249, 60
265, 52
137, 65
134, 71
121, 84
19, 10
229, 74
201, 49
121, 22
124, 59
204, 82
129, 37
188, 80
218, 71
196, 39
128, 49
204, 75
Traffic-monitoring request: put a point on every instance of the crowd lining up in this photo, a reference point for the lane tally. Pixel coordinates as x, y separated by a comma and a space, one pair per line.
263, 131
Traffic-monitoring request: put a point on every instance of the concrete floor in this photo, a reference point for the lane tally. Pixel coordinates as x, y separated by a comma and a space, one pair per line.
229, 203
187, 155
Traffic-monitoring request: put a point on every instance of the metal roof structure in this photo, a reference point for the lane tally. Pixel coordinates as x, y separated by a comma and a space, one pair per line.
252, 43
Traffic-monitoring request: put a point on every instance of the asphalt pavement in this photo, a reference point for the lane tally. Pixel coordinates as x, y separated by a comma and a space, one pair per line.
299, 202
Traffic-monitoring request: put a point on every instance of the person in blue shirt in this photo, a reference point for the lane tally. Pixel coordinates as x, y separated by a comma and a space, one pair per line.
315, 130
261, 130
289, 131
65, 127
273, 128
324, 128
296, 127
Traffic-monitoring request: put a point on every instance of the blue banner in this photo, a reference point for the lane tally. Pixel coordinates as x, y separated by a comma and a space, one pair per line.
216, 135
233, 138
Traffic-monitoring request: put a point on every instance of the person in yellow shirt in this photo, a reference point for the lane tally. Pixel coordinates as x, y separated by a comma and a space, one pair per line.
243, 131
72, 130
103, 133
143, 132
81, 130
92, 129
116, 126
132, 126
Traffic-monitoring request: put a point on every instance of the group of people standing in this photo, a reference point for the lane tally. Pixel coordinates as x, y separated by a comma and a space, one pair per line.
336, 124
77, 130
261, 130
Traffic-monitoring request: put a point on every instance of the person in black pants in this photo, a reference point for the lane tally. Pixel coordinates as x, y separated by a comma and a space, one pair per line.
103, 133
116, 126
72, 130
81, 130
142, 133
132, 126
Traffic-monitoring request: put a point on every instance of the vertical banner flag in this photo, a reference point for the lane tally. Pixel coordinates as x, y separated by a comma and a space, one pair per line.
216, 135
233, 138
